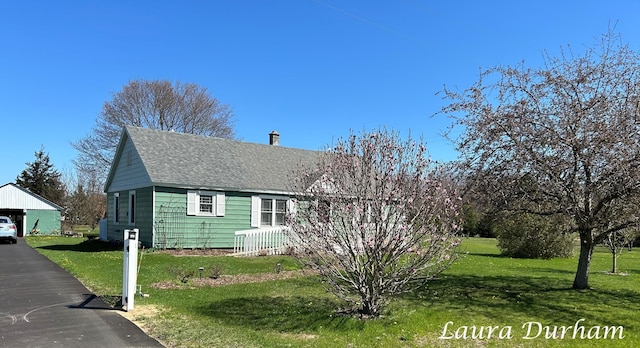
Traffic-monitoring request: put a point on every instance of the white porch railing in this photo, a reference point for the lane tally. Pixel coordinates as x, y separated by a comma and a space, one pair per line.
261, 241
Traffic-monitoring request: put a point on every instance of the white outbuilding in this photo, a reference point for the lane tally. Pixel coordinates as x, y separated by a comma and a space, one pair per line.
30, 212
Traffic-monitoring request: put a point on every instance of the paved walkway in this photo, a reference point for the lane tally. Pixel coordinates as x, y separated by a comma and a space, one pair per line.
41, 305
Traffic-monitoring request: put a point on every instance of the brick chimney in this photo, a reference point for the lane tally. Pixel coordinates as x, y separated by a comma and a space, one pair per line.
274, 138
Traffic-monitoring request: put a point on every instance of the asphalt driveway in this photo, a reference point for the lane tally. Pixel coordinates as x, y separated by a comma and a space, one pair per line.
41, 305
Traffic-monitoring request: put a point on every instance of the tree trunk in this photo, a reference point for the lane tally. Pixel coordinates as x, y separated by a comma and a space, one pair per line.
371, 305
581, 280
614, 251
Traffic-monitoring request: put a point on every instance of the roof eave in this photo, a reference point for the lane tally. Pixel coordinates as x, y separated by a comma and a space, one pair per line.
54, 205
225, 189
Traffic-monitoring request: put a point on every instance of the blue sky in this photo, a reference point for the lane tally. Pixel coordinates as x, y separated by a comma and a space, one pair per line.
313, 70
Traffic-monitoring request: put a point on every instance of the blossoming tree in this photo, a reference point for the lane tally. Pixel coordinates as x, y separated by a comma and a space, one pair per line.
375, 218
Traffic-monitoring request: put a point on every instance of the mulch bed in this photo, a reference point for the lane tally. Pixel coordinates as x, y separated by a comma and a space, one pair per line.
197, 252
229, 280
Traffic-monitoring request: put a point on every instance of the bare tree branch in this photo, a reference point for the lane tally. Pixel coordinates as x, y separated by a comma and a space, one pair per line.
182, 107
571, 127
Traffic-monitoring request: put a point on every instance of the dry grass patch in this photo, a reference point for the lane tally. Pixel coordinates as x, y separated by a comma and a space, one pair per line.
144, 317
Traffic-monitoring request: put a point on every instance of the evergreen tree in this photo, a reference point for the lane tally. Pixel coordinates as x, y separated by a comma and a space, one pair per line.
40, 177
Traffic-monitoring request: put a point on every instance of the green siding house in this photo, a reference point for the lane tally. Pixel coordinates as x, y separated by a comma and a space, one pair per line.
191, 191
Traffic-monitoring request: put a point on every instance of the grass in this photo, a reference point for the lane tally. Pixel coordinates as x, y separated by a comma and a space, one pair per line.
481, 289
86, 230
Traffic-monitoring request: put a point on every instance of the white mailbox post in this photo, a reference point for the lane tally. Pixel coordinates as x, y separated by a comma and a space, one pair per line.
130, 268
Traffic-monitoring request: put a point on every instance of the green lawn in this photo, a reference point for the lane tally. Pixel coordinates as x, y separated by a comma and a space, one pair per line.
482, 289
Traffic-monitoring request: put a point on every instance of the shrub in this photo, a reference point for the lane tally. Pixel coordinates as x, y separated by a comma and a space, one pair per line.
376, 218
533, 236
180, 274
215, 272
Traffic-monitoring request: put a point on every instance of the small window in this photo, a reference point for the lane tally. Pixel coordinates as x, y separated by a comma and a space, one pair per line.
205, 203
132, 207
116, 207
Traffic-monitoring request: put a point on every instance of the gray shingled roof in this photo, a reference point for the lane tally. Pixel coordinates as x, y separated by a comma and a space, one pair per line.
195, 161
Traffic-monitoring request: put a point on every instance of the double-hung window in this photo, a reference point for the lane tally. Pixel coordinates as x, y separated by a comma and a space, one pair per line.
269, 211
205, 203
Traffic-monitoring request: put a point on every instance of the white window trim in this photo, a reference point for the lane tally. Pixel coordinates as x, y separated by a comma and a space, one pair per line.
131, 209
256, 209
116, 208
193, 203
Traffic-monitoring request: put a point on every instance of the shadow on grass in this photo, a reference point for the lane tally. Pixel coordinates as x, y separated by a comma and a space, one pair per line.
89, 246
547, 270
282, 314
504, 298
494, 255
510, 300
